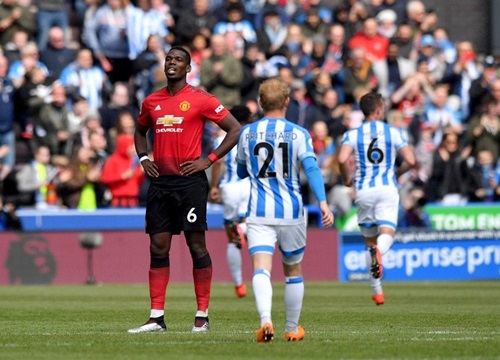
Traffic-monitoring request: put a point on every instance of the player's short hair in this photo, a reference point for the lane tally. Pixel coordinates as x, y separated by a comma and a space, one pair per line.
370, 102
273, 94
182, 49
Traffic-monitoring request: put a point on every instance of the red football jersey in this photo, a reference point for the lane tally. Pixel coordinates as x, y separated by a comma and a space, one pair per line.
178, 122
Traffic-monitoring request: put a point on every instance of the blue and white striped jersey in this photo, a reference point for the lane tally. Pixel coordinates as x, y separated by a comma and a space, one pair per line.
375, 147
229, 172
272, 149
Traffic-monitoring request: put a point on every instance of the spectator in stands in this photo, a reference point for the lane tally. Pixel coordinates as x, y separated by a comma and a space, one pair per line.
313, 24
146, 65
440, 116
253, 61
56, 55
444, 46
411, 212
313, 61
301, 110
222, 73
427, 52
50, 13
35, 177
424, 152
76, 181
332, 112
273, 5
387, 25
106, 36
484, 87
34, 92
120, 101
142, 22
91, 124
482, 177
358, 72
407, 47
375, 45
78, 114
7, 120
51, 121
447, 184
272, 35
324, 148
12, 50
125, 125
324, 11
196, 20
236, 23
415, 13
29, 60
393, 71
321, 82
82, 77
483, 131
14, 17
463, 72
122, 173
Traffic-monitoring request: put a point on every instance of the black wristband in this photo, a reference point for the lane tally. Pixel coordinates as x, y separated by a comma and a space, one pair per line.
142, 154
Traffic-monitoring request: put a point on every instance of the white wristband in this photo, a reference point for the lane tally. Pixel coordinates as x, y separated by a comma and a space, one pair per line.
145, 157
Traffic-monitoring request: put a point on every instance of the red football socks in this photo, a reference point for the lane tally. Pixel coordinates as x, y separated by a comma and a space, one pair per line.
202, 284
158, 281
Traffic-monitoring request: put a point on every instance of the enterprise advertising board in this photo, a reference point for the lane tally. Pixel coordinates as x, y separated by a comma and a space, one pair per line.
426, 255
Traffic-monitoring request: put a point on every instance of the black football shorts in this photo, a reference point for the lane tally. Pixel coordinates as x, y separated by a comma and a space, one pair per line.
177, 203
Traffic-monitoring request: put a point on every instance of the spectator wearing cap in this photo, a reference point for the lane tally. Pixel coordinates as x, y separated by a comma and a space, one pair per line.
427, 52
301, 110
375, 45
484, 86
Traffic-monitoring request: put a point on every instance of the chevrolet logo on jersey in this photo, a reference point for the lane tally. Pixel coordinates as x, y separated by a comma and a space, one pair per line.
169, 120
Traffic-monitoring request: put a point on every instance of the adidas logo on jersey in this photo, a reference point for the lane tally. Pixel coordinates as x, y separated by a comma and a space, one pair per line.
157, 108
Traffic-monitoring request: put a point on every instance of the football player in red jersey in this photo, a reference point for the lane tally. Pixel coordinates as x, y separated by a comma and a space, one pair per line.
178, 193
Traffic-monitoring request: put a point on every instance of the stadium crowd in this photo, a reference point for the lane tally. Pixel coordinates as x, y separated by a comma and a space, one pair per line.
74, 73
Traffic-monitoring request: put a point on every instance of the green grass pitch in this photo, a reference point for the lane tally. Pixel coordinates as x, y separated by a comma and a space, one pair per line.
420, 320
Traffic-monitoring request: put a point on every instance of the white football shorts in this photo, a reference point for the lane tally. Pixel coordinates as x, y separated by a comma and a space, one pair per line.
291, 240
377, 207
235, 197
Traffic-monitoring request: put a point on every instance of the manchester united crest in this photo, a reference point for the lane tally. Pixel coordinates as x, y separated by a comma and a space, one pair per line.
184, 106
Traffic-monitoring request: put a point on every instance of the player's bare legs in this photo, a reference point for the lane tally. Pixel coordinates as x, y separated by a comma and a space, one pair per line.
263, 291
294, 295
233, 256
202, 276
377, 246
159, 276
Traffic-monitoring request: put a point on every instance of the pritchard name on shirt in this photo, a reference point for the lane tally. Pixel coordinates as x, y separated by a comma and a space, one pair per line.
271, 136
